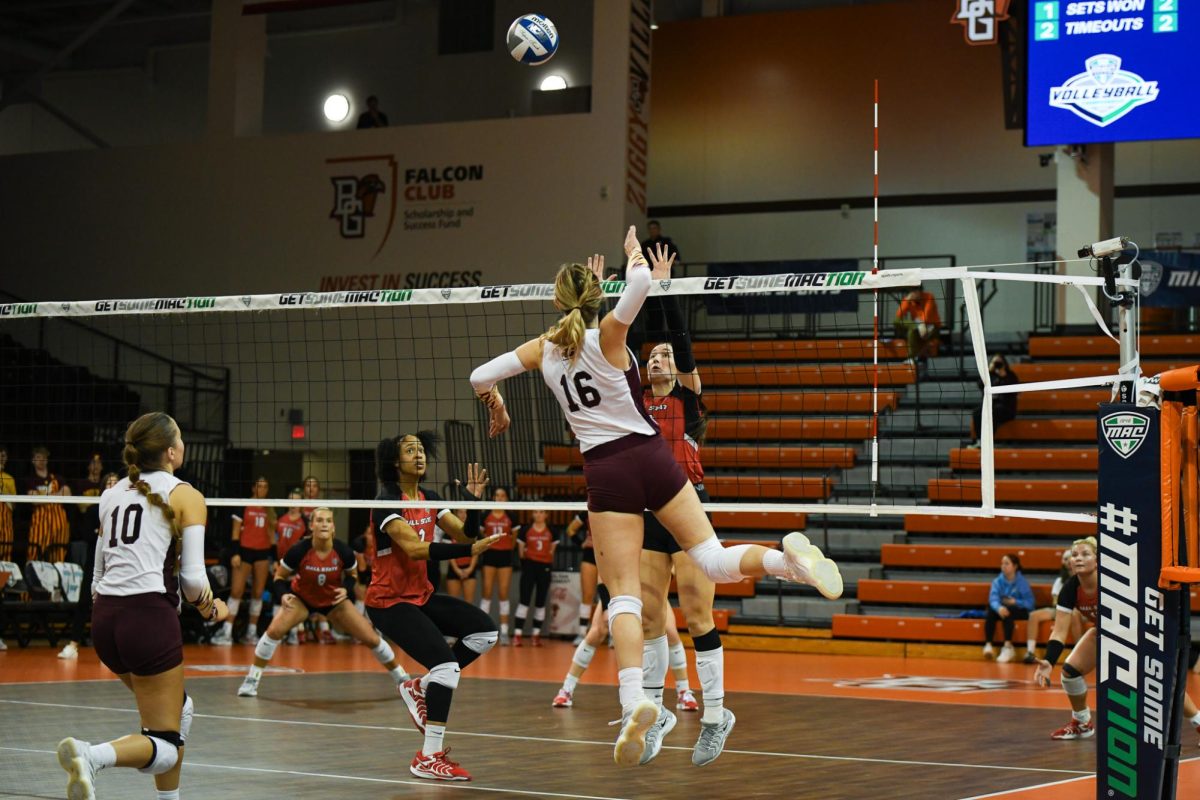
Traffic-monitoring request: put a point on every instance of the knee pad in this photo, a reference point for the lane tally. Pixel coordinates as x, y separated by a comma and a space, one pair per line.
1073, 683
677, 656
383, 652
522, 611
504, 607
166, 751
486, 605
539, 614
624, 604
719, 564
445, 674
265, 648
481, 642
585, 611
583, 654
185, 718
255, 607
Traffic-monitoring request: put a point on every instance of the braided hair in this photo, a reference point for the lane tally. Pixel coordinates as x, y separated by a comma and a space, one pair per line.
146, 441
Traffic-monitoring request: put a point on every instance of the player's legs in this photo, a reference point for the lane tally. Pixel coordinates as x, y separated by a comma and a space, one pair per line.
468, 588
504, 584
541, 597
454, 586
346, 617
588, 577
1036, 618
286, 617
259, 571
1081, 662
237, 589
525, 589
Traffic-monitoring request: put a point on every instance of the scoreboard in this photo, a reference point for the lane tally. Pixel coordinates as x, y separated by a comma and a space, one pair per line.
1112, 71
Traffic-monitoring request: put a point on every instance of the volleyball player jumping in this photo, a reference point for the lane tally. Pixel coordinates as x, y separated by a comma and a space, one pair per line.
629, 468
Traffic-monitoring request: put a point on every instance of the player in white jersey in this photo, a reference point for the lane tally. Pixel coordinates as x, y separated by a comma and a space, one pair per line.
629, 468
144, 522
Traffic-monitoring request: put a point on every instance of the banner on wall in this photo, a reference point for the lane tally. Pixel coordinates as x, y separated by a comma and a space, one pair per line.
1170, 279
980, 19
833, 299
562, 608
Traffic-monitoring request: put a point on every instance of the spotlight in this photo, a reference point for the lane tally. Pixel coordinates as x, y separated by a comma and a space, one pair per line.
553, 83
336, 108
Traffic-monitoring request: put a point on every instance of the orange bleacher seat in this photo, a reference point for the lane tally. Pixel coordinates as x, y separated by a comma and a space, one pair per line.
743, 588
1033, 559
945, 523
759, 521
936, 593
747, 456
1083, 400
720, 619
819, 428
815, 375
1181, 344
793, 350
922, 629
968, 490
755, 402
1028, 459
1057, 371
1048, 430
723, 486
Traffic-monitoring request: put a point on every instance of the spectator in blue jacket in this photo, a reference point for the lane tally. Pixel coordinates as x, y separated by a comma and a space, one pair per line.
1011, 599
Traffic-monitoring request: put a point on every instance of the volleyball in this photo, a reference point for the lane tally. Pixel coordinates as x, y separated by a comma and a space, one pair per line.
532, 39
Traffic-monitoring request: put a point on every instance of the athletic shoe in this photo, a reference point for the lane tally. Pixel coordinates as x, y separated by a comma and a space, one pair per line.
325, 636
807, 564
1007, 654
340, 637
635, 722
3, 646
563, 699
658, 731
504, 640
1076, 730
293, 638
437, 767
516, 639
249, 638
537, 640
686, 701
414, 698
70, 650
712, 739
75, 757
989, 653
221, 639
1029, 658
578, 640
249, 687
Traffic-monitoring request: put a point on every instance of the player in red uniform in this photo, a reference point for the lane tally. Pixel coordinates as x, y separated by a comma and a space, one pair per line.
536, 545
317, 575
497, 562
460, 578
253, 534
290, 528
401, 602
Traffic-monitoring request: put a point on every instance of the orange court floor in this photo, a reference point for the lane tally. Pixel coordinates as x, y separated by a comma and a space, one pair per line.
830, 726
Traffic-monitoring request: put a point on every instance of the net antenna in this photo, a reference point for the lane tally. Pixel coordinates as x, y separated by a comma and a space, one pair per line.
875, 344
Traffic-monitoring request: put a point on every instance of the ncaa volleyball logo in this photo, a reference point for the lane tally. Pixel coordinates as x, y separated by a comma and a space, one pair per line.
1125, 431
1104, 92
532, 39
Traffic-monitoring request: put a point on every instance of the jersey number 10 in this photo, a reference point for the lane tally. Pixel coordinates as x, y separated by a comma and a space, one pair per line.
588, 395
127, 536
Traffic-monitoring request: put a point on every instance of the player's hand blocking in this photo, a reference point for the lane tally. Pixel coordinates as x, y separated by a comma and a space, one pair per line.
661, 263
484, 543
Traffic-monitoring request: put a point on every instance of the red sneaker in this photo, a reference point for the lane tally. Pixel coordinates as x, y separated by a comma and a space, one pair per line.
1076, 730
414, 698
563, 699
326, 637
516, 639
437, 767
537, 640
686, 701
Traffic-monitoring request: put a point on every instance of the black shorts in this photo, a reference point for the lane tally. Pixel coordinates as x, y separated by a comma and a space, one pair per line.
496, 558
316, 609
251, 555
451, 575
589, 556
602, 593
632, 474
657, 538
137, 634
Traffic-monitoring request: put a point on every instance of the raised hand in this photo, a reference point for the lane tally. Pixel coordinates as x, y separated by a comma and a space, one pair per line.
660, 263
632, 245
477, 480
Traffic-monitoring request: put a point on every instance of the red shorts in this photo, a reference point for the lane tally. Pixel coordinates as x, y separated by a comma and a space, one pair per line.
137, 633
632, 474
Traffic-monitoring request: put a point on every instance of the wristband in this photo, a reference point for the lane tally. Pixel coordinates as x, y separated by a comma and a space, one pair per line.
1054, 649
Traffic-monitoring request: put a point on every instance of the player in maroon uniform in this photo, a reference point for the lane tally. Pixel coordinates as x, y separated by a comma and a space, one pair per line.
497, 562
1078, 596
317, 575
401, 602
536, 545
253, 534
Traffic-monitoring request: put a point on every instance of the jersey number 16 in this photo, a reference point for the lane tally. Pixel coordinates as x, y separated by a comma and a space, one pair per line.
588, 395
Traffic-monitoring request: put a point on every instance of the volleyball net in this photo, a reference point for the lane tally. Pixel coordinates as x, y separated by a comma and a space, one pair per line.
836, 391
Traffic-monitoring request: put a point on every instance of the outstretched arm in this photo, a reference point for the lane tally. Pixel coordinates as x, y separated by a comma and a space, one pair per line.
484, 379
615, 327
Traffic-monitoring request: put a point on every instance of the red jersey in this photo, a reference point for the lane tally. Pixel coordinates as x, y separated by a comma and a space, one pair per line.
318, 577
255, 535
463, 562
501, 524
680, 417
539, 544
288, 532
1073, 597
396, 578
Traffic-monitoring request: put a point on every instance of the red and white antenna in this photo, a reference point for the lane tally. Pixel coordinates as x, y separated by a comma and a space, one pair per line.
875, 271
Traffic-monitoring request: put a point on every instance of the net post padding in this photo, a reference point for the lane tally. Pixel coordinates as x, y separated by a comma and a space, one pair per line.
1180, 456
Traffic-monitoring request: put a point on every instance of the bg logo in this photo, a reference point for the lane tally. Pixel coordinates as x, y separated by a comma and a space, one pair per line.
979, 18
1125, 431
354, 201
368, 192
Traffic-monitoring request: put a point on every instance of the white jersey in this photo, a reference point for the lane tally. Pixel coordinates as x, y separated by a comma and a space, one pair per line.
601, 402
137, 549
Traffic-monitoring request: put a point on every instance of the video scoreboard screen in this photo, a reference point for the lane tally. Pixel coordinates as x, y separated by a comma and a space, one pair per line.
1112, 71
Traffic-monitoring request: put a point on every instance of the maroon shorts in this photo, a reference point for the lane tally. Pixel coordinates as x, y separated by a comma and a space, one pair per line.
632, 474
137, 633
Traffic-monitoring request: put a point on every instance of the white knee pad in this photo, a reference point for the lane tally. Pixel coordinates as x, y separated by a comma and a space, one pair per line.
522, 611
624, 604
720, 564
504, 607
1074, 686
445, 674
266, 647
678, 657
486, 605
383, 652
256, 607
185, 718
585, 611
166, 751
481, 642
539, 614
583, 655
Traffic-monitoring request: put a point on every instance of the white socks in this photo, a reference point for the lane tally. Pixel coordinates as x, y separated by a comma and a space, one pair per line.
569, 683
168, 794
383, 652
631, 691
433, 739
1084, 716
583, 659
654, 667
102, 755
775, 564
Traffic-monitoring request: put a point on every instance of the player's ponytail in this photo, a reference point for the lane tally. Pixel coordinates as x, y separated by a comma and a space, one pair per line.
146, 441
578, 294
